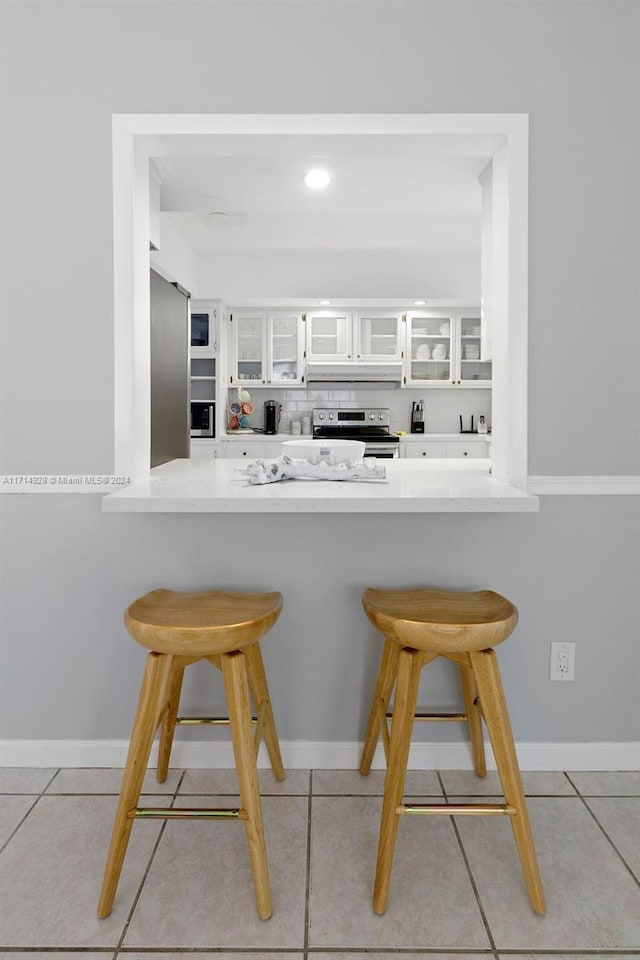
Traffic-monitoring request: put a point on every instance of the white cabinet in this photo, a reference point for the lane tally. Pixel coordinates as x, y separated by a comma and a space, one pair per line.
365, 335
473, 370
203, 448
238, 449
203, 322
437, 449
329, 335
472, 449
378, 335
203, 382
444, 349
266, 348
429, 348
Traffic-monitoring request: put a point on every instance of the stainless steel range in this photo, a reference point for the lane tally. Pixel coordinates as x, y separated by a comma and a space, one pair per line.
370, 424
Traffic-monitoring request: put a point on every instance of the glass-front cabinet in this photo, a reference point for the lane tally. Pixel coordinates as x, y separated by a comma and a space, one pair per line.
378, 335
429, 348
285, 348
444, 348
473, 369
250, 346
329, 335
267, 348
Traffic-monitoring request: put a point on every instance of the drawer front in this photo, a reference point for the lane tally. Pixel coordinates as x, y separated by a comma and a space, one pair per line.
251, 451
425, 450
467, 450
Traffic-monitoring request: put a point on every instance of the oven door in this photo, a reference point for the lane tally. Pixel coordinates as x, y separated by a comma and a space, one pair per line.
382, 451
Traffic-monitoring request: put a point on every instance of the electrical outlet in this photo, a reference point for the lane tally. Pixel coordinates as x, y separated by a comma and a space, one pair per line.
563, 661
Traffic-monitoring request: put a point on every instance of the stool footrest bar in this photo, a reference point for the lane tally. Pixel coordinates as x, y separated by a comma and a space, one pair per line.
212, 721
188, 813
457, 809
434, 716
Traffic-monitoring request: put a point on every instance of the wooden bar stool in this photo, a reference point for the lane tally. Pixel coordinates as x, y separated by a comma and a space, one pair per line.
418, 626
180, 629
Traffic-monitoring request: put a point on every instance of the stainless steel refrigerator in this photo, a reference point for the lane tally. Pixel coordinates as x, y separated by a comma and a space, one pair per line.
169, 371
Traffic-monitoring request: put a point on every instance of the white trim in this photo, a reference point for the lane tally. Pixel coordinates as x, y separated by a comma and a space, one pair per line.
585, 486
138, 137
311, 754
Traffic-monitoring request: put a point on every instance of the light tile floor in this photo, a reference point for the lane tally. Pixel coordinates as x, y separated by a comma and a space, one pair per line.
456, 890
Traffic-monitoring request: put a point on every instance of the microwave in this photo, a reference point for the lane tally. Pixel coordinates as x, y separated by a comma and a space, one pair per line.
202, 418
201, 327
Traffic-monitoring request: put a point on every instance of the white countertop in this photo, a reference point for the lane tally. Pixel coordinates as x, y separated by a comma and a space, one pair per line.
412, 486
419, 437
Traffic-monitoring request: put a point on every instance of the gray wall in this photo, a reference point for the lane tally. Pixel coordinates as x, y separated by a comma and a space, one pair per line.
68, 571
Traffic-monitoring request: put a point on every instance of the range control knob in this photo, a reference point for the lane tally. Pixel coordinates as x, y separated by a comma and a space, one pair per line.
381, 416
330, 416
321, 416
372, 416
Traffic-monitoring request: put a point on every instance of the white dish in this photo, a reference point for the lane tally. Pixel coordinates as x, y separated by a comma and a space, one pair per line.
333, 451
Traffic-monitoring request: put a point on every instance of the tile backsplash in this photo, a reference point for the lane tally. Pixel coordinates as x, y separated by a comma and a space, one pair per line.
442, 408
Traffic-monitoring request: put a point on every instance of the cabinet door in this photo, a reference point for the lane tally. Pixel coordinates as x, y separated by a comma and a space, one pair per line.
473, 449
472, 369
202, 327
251, 450
250, 346
202, 449
285, 349
431, 450
378, 335
429, 349
329, 335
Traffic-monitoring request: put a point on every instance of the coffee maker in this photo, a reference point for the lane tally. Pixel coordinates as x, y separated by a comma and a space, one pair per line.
271, 416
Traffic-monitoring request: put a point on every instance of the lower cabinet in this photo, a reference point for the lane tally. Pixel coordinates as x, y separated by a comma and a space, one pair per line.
473, 449
434, 450
251, 450
201, 448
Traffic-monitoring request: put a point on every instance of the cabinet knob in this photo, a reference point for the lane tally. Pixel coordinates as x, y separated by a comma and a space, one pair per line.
464, 453
424, 453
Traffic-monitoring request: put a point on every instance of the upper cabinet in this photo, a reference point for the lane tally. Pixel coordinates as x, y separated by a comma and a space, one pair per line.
444, 349
378, 335
473, 369
335, 335
203, 320
329, 335
266, 348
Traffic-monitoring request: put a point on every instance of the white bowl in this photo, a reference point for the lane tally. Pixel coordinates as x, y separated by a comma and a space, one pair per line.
333, 451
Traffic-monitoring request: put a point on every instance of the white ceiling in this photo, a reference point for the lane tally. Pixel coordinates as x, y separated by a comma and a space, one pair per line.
399, 200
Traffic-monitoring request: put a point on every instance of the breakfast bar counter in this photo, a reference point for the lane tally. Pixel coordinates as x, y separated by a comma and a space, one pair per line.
411, 486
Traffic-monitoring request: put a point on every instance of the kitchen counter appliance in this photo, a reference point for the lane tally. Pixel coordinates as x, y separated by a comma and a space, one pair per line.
370, 424
271, 416
202, 419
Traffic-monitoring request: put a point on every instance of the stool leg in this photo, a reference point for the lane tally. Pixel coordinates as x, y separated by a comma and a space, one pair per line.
260, 693
169, 723
382, 694
401, 730
152, 693
494, 706
237, 690
474, 718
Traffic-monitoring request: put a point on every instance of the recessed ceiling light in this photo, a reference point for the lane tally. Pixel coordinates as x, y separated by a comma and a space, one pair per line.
419, 303
317, 179
325, 303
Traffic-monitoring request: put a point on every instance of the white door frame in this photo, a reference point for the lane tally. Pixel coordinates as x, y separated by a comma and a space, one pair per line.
138, 137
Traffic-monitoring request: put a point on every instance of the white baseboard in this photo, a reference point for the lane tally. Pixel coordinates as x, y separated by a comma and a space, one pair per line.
585, 486
311, 754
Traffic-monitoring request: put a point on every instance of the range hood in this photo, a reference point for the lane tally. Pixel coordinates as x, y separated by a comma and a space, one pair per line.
351, 371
